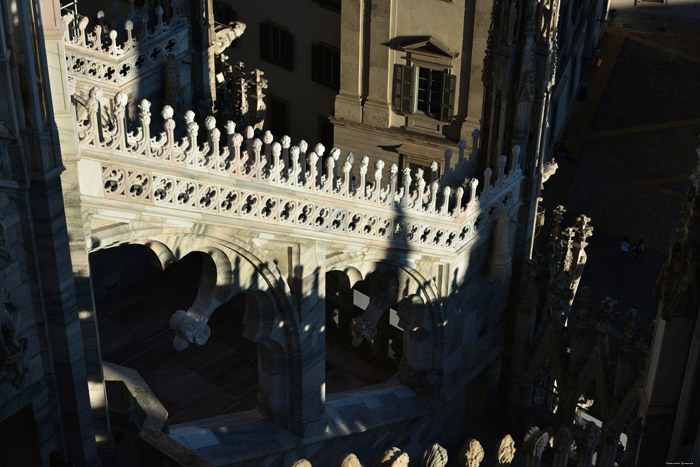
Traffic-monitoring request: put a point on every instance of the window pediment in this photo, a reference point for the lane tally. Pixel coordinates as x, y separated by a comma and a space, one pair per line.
424, 45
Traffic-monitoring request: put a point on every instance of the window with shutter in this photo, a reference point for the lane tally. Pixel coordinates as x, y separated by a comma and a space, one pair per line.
448, 97
325, 65
276, 45
404, 79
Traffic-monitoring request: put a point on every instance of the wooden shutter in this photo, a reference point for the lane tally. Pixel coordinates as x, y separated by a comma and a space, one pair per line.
404, 78
264, 41
448, 96
287, 50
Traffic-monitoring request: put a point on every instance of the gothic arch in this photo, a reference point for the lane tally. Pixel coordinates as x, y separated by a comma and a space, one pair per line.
269, 318
421, 314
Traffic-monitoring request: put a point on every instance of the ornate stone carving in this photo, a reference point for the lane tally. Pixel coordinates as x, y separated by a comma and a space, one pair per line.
432, 217
350, 460
188, 330
435, 456
394, 458
472, 454
225, 36
13, 363
506, 450
98, 57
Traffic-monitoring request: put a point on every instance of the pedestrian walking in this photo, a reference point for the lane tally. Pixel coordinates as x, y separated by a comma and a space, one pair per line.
624, 248
639, 248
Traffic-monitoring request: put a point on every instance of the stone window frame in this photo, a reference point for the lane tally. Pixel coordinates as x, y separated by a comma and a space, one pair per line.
424, 53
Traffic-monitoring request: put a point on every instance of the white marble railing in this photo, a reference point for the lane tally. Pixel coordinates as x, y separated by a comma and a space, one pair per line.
117, 54
276, 182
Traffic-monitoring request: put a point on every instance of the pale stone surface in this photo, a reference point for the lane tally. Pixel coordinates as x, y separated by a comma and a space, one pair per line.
472, 454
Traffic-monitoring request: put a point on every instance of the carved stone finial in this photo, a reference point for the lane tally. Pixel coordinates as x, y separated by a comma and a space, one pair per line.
210, 123
267, 137
506, 450
394, 458
189, 117
350, 460
249, 132
301, 463
436, 456
167, 112
230, 127
286, 141
472, 454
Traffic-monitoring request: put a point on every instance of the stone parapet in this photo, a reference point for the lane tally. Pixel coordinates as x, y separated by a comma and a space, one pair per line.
274, 182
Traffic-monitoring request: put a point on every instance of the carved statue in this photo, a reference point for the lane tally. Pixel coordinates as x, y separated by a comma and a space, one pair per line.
506, 450
436, 456
472, 454
548, 170
350, 460
394, 458
225, 36
13, 363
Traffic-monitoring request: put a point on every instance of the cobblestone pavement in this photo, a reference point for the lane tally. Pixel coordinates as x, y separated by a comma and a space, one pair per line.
633, 145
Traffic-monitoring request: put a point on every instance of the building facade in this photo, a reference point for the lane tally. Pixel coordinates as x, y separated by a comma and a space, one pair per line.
182, 290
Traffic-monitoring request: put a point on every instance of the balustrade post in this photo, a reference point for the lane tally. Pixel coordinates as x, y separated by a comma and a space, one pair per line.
501, 168
192, 132
330, 174
211, 158
534, 443
295, 169
459, 194
347, 175
445, 201
144, 145
376, 192
515, 160
434, 187
231, 156
473, 183
362, 189
303, 147
286, 143
587, 445
406, 189
259, 162
311, 180
276, 169
433, 171
319, 149
239, 159
420, 195
562, 447
393, 181
168, 151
